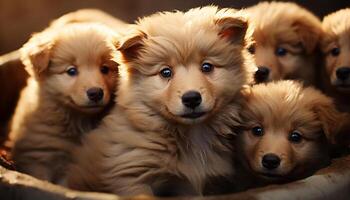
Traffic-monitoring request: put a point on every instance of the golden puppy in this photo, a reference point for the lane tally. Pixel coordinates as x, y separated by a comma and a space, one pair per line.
286, 131
178, 94
12, 70
336, 51
73, 77
285, 38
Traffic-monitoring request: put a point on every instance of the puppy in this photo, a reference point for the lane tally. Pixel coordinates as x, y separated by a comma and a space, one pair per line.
178, 94
73, 76
285, 133
285, 37
335, 49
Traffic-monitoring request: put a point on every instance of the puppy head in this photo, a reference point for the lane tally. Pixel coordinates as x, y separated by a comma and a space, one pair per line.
184, 67
286, 129
285, 38
75, 65
336, 49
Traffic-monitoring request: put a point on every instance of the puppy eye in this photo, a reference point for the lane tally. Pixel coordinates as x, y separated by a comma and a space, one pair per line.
281, 51
72, 71
295, 137
207, 67
166, 73
251, 49
258, 131
335, 51
104, 69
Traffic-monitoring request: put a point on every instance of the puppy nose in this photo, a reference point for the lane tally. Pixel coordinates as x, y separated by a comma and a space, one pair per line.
191, 99
343, 73
271, 161
262, 74
95, 94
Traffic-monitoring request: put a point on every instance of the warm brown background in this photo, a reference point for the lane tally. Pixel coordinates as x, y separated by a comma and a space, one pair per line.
19, 18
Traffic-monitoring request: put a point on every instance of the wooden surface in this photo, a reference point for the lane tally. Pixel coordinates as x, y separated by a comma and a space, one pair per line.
331, 183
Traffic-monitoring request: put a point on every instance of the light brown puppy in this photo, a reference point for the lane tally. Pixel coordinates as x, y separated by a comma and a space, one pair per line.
177, 97
73, 78
336, 52
286, 131
12, 71
285, 37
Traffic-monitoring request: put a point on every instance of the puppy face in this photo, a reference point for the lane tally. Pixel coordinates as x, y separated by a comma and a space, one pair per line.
286, 129
184, 66
75, 65
285, 36
336, 49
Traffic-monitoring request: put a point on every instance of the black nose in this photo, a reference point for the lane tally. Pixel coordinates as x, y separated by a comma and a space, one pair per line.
343, 73
271, 161
95, 94
191, 99
262, 74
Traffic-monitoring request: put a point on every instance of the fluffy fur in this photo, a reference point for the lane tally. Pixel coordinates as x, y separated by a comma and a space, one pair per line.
336, 50
150, 137
54, 109
285, 38
281, 110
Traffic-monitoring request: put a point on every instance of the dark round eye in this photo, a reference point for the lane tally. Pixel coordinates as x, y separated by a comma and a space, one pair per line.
281, 51
166, 73
72, 71
207, 67
258, 131
251, 49
295, 137
335, 51
104, 69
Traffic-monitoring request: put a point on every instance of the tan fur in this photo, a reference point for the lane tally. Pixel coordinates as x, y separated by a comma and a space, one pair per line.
54, 110
280, 108
286, 25
145, 140
336, 28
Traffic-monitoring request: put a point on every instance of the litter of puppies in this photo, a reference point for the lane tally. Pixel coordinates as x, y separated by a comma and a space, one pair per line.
202, 102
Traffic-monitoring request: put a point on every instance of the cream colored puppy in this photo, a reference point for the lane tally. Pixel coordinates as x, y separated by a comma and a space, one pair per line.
178, 96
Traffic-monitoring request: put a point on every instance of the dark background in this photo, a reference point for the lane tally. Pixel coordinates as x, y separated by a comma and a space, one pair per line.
19, 18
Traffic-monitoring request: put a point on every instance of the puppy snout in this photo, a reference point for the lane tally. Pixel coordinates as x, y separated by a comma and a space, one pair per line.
270, 161
95, 94
262, 74
343, 73
191, 99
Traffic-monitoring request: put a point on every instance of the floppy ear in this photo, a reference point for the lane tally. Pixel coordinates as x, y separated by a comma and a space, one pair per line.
309, 33
332, 120
232, 28
131, 43
36, 53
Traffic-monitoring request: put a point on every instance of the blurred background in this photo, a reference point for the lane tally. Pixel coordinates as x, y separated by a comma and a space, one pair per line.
19, 18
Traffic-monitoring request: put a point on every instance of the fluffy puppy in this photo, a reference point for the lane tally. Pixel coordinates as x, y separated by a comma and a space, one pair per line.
286, 132
73, 77
285, 37
336, 51
178, 94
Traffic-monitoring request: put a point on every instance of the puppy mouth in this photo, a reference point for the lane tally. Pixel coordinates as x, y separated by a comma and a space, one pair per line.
270, 175
89, 106
193, 115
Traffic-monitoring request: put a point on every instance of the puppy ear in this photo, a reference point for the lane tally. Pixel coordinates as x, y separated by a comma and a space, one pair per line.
332, 120
232, 28
36, 53
309, 33
131, 43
